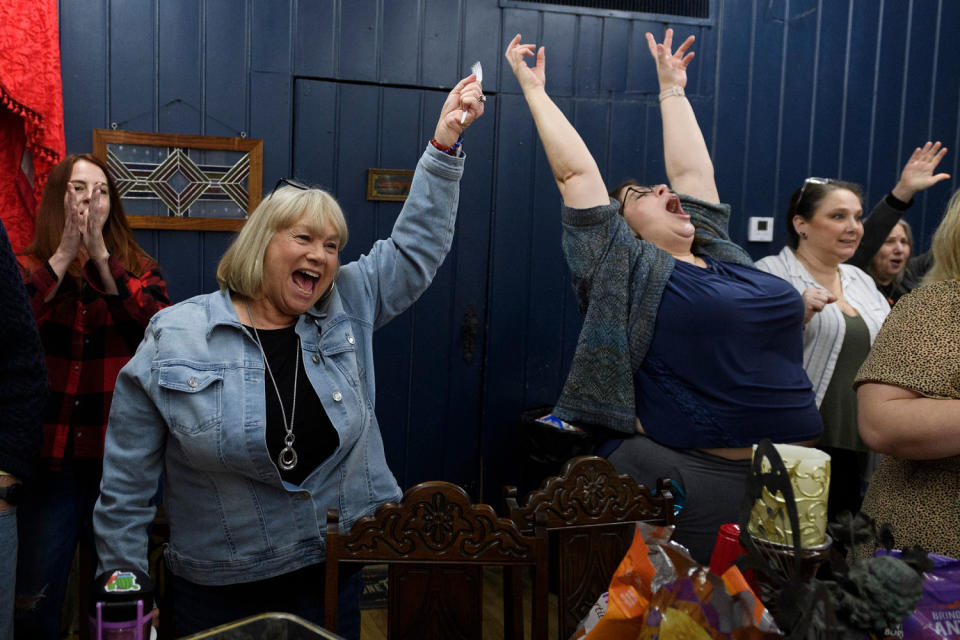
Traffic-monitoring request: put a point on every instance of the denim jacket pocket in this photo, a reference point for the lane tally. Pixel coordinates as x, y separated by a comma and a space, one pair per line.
343, 353
191, 396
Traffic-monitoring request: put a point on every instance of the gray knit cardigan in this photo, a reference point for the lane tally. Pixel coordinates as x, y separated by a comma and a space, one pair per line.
619, 281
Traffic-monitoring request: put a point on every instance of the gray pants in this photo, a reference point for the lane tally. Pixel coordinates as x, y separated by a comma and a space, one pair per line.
713, 487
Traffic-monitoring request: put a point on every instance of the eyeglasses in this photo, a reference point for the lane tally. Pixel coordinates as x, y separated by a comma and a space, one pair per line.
639, 191
291, 182
810, 180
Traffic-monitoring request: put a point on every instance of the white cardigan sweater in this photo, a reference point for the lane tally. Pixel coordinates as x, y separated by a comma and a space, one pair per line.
823, 335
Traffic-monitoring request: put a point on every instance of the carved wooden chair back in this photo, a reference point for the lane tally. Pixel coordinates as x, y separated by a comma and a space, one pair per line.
588, 512
425, 539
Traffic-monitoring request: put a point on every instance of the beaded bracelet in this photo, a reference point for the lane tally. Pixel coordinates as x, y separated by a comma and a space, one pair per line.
451, 150
672, 91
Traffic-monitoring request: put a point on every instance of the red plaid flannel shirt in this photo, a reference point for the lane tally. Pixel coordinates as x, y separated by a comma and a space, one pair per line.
88, 335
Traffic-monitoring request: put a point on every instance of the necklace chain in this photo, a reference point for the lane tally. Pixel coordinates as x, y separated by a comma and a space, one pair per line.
287, 459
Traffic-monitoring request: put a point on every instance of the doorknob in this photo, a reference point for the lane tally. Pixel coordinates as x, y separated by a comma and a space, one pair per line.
468, 333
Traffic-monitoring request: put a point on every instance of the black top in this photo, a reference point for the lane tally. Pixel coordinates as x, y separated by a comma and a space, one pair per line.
917, 267
315, 437
23, 377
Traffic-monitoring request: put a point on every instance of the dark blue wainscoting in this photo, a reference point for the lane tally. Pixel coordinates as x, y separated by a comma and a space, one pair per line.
783, 89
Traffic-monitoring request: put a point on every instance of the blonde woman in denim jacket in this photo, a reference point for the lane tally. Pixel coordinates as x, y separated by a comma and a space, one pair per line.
257, 401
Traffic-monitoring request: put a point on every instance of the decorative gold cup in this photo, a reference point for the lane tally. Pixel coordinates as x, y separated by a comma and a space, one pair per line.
809, 471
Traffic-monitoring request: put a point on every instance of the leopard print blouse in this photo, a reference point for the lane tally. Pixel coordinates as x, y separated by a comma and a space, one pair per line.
918, 348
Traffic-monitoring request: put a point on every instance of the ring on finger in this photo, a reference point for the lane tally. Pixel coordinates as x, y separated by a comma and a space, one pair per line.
482, 98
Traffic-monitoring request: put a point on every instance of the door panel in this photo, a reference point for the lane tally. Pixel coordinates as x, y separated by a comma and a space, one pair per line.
428, 395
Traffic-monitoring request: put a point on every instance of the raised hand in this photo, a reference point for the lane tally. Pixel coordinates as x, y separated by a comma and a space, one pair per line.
528, 77
917, 174
465, 98
74, 222
814, 300
671, 66
98, 210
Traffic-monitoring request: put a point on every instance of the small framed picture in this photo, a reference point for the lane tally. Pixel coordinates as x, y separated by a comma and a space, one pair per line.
388, 184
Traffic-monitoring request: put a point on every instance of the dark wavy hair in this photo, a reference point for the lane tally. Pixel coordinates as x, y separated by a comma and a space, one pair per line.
615, 192
813, 194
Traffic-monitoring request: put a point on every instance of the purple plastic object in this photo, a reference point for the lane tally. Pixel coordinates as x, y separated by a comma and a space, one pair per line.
138, 629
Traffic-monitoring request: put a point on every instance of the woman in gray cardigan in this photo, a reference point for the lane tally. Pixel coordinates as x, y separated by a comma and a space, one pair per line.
688, 355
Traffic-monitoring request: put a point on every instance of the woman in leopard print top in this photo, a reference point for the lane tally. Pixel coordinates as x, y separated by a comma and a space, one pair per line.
909, 405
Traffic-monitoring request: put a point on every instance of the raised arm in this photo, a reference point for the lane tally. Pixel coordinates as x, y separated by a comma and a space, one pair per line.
574, 169
917, 175
398, 269
685, 155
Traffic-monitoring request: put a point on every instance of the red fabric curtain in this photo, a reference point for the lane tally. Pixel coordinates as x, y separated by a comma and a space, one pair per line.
31, 110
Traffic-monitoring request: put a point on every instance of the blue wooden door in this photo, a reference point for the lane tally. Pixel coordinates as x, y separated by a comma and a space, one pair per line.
429, 360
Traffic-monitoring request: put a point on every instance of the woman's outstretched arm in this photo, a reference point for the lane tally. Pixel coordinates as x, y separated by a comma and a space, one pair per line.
574, 169
685, 155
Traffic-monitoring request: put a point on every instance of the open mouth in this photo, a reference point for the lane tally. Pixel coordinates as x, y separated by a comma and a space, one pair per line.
673, 206
306, 281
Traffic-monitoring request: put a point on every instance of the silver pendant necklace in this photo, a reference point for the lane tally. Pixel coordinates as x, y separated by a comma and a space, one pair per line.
287, 459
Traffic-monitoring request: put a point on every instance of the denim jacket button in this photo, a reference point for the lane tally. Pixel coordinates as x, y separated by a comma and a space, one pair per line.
316, 359
350, 339
192, 382
336, 396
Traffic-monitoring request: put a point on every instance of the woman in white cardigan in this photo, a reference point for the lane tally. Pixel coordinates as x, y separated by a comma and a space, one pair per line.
843, 313
843, 307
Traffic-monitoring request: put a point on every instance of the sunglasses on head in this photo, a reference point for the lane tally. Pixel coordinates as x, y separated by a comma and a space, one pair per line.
811, 180
290, 182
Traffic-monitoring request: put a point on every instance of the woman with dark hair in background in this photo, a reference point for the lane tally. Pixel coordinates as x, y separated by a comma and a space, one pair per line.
889, 265
843, 308
93, 290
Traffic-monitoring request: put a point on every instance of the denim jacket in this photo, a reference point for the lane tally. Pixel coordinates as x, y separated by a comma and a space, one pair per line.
191, 402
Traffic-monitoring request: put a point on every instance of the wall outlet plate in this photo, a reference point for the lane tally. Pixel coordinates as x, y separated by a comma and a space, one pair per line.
761, 229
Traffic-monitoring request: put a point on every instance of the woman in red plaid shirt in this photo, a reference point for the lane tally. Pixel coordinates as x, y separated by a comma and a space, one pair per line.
93, 290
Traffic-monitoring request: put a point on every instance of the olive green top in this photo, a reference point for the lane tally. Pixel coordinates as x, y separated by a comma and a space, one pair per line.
839, 406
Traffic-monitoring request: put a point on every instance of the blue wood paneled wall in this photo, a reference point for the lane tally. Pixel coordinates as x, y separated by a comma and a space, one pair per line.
783, 89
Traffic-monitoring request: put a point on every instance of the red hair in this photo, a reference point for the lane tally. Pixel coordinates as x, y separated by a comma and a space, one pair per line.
117, 234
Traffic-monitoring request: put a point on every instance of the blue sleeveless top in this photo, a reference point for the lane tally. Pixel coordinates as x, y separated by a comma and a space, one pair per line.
725, 366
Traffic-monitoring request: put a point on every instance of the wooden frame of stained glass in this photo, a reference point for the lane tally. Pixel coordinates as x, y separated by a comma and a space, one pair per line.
172, 181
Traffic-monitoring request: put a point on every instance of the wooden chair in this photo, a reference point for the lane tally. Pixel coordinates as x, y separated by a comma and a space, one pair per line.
427, 540
588, 512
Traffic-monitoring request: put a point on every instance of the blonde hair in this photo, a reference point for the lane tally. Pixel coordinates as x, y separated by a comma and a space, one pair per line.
241, 268
946, 245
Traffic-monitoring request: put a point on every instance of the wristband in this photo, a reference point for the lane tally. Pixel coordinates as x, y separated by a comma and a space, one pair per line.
451, 150
672, 91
